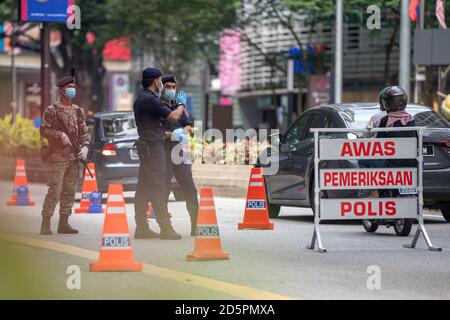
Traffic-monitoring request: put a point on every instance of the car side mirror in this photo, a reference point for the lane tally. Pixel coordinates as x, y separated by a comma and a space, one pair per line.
288, 148
275, 138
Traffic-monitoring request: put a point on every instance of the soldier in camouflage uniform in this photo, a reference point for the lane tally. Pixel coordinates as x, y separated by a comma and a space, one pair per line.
64, 165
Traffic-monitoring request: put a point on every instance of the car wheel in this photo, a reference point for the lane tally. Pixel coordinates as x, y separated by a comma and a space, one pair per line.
403, 227
369, 225
446, 214
274, 210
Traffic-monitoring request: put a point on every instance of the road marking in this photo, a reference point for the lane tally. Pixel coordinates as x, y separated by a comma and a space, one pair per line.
182, 277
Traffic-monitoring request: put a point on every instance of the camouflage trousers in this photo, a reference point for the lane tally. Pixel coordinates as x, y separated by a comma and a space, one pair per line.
62, 186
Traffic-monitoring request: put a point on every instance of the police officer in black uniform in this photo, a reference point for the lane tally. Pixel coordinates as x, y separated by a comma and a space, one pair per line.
148, 112
182, 172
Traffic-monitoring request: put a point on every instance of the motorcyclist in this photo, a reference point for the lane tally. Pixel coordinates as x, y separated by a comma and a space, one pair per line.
393, 101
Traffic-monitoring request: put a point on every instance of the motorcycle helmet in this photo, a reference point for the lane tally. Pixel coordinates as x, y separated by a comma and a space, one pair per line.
381, 101
393, 99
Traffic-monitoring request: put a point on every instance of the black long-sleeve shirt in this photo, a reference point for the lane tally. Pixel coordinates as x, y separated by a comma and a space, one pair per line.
148, 113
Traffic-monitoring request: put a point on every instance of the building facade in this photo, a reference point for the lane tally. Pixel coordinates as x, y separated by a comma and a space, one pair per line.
266, 42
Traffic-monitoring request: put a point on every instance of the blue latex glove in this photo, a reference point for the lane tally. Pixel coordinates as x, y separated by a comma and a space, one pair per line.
181, 98
176, 134
183, 139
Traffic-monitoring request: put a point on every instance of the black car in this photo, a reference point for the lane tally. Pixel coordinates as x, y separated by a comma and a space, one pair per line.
113, 152
112, 149
293, 184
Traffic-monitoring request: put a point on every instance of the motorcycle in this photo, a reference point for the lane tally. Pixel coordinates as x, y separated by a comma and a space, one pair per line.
402, 227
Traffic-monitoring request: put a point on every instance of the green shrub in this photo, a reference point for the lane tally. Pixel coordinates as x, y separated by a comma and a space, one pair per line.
19, 139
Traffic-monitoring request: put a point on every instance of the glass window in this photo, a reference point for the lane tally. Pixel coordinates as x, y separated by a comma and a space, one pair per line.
430, 119
294, 135
424, 117
119, 126
319, 121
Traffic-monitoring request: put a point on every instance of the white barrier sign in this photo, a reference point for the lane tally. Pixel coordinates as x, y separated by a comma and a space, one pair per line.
345, 179
341, 149
372, 208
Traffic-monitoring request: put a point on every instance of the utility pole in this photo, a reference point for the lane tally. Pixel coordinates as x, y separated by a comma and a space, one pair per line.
405, 47
13, 74
419, 70
290, 89
206, 88
338, 52
45, 66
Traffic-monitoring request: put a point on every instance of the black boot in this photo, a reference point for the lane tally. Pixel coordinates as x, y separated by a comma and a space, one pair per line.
168, 233
45, 226
144, 232
64, 226
142, 229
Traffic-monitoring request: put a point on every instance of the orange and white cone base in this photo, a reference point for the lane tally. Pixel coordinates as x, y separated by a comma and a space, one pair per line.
116, 254
207, 240
256, 215
20, 180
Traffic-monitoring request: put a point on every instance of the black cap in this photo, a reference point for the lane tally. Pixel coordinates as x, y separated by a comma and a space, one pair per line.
151, 73
64, 80
169, 78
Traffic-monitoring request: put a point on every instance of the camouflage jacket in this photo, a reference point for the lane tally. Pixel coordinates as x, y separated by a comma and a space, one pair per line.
73, 119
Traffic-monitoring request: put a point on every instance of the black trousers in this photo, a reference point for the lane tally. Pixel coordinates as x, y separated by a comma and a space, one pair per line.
152, 185
183, 175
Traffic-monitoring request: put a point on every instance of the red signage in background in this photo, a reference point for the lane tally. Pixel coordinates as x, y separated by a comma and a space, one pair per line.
118, 49
229, 65
319, 90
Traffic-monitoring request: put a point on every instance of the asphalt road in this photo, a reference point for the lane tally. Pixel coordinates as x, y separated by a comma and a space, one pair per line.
262, 265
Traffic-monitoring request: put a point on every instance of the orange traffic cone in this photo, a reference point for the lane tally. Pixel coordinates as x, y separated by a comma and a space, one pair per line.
116, 254
256, 215
89, 186
207, 240
20, 180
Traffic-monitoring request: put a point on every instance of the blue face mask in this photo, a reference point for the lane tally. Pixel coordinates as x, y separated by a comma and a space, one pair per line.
71, 93
170, 94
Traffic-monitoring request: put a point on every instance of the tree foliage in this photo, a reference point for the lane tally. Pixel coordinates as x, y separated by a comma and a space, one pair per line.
174, 32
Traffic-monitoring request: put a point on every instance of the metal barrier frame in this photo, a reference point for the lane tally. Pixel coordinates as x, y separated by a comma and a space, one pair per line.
316, 238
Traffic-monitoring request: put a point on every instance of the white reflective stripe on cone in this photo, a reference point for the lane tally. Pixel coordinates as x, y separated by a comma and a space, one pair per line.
256, 184
115, 197
116, 210
20, 168
207, 208
20, 174
257, 176
206, 199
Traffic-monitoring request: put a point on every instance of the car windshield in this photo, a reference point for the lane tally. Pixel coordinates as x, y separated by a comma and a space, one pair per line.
357, 118
119, 127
